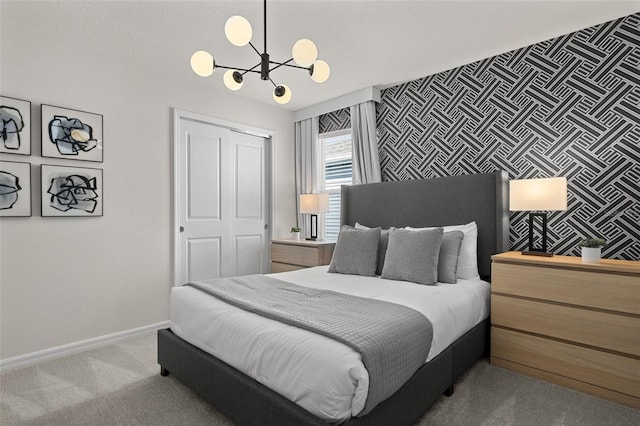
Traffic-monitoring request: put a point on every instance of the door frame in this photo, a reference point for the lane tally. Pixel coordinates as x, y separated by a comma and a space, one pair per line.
268, 135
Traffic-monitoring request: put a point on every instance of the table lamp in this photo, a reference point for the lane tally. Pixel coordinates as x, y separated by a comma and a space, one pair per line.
544, 194
314, 204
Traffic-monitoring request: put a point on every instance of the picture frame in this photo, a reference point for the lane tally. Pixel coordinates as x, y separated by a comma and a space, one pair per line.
15, 126
71, 134
68, 191
15, 189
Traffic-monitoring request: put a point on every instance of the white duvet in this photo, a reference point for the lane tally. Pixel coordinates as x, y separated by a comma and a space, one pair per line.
323, 376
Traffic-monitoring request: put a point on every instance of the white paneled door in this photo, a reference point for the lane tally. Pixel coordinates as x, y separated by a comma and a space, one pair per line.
223, 202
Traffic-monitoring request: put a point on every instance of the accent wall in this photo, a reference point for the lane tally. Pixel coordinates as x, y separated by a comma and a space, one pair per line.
569, 106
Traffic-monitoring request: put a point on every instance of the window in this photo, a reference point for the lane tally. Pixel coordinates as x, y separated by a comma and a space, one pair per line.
336, 171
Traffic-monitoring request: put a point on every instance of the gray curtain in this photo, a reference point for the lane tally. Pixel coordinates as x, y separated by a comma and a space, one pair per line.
307, 158
366, 162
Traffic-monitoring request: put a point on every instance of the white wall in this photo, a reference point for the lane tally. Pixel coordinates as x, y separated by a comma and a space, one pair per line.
64, 280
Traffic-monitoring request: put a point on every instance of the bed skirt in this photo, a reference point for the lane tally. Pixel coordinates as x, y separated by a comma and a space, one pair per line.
247, 402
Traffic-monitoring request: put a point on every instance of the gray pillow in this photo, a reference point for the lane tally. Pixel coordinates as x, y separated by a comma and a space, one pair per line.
382, 246
413, 255
356, 251
448, 258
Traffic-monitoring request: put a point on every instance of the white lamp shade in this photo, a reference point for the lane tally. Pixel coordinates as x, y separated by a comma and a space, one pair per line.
284, 98
304, 52
238, 30
202, 63
321, 71
314, 203
538, 194
230, 82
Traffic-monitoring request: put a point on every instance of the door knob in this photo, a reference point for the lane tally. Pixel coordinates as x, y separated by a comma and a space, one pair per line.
182, 229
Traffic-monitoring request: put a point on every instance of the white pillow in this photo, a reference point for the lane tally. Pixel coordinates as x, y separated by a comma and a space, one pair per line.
468, 257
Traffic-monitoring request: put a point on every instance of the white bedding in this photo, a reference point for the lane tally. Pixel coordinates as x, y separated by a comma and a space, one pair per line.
295, 362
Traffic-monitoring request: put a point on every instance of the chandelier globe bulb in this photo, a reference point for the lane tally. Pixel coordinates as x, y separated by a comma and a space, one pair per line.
320, 71
282, 94
233, 80
304, 52
202, 63
238, 30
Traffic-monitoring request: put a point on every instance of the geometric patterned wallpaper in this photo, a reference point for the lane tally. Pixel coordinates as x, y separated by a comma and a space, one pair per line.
569, 106
336, 120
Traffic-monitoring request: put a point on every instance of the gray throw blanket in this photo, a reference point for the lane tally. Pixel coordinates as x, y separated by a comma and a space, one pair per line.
393, 340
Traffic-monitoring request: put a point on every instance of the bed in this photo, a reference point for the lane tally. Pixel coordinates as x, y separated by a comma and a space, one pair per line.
434, 202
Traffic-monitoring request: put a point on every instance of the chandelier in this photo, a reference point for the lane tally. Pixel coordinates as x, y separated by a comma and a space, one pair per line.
239, 32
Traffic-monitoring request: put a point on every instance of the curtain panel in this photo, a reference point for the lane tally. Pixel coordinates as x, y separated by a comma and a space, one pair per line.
366, 162
307, 164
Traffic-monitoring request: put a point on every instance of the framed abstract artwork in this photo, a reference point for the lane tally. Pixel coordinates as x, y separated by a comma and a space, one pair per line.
15, 126
71, 191
15, 189
71, 134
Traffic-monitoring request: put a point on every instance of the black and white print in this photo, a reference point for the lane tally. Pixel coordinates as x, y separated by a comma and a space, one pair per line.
71, 191
71, 134
15, 126
15, 189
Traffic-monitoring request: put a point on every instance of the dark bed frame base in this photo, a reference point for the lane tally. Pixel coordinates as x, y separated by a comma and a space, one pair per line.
247, 402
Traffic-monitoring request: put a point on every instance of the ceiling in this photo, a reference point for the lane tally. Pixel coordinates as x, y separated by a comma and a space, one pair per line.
366, 43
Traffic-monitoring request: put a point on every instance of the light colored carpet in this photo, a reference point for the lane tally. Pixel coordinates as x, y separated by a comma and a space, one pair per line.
120, 384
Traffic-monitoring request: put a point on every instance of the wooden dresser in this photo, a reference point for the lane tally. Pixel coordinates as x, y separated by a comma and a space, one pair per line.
289, 255
571, 323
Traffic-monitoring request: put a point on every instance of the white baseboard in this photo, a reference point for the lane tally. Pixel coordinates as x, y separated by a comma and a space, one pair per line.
72, 348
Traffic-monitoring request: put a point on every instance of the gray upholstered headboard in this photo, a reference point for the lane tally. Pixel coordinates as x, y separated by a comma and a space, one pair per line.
453, 200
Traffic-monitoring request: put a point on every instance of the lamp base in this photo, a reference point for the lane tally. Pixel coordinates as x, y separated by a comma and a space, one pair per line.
311, 239
538, 250
314, 228
537, 253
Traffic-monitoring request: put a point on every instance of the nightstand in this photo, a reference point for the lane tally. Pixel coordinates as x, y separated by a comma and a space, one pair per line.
567, 322
289, 255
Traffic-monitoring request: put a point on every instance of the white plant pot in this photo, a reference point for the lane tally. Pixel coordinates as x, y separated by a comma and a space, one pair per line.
296, 235
591, 254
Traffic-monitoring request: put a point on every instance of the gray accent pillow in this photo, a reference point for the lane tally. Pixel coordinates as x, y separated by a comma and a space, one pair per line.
448, 259
356, 251
413, 255
382, 245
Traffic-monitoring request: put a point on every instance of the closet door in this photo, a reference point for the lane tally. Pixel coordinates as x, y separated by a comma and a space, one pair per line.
223, 202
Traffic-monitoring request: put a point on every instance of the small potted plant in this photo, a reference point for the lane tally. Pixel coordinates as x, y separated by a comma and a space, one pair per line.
295, 231
592, 248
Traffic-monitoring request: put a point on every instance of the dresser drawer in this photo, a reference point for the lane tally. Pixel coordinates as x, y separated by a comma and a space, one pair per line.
619, 333
603, 369
307, 256
609, 291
